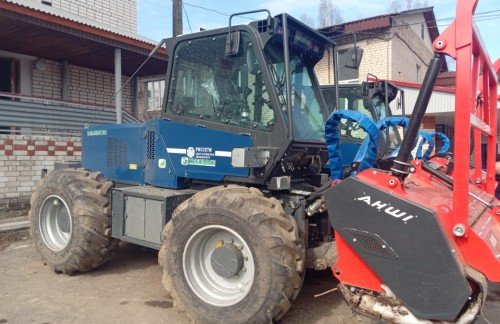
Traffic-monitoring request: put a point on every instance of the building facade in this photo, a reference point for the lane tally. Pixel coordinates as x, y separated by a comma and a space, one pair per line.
62, 63
394, 47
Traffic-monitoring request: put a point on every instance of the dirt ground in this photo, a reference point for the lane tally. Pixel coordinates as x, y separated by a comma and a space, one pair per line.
128, 290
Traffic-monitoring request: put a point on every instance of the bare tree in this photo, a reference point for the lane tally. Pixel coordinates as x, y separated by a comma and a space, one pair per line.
308, 20
328, 14
400, 5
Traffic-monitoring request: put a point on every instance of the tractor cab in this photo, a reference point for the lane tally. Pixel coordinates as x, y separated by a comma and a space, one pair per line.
258, 80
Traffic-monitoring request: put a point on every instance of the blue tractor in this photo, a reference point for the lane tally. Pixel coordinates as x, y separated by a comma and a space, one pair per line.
225, 184
228, 184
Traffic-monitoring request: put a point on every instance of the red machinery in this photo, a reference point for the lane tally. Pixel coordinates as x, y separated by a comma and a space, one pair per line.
414, 243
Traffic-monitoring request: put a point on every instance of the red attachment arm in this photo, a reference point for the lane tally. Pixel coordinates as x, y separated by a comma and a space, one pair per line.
475, 106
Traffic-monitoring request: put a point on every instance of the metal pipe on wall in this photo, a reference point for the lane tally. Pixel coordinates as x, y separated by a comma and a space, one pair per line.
118, 85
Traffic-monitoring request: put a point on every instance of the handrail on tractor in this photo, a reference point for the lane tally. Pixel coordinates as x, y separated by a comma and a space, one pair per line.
475, 109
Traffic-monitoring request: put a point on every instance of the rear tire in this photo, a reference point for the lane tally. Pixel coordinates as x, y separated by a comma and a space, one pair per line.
260, 229
70, 220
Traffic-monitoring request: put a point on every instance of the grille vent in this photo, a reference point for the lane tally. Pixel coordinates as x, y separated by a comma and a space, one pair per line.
116, 152
150, 146
372, 244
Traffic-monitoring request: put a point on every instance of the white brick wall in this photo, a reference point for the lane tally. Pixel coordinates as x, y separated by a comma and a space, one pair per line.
408, 52
22, 159
85, 85
97, 87
118, 13
376, 60
47, 83
392, 56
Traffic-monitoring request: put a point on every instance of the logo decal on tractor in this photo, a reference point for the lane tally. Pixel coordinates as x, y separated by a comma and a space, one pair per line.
387, 208
162, 163
199, 156
190, 152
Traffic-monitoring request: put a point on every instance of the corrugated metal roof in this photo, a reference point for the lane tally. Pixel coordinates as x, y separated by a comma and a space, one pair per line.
38, 6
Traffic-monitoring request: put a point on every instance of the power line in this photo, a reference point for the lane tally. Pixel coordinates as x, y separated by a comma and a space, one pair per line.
253, 19
187, 18
480, 17
214, 10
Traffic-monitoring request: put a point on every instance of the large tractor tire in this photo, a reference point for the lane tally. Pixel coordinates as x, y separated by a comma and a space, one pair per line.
70, 220
229, 254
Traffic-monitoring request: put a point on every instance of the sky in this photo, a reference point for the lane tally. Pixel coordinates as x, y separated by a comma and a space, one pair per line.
155, 16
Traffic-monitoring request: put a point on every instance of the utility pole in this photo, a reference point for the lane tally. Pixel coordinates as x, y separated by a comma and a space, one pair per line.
177, 17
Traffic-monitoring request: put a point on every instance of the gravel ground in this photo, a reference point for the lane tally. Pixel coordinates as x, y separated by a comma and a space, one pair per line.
128, 290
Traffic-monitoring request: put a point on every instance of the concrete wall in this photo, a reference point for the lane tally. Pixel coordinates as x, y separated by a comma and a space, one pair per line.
118, 13
22, 159
85, 85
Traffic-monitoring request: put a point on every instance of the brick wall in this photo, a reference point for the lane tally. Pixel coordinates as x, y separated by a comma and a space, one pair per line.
47, 82
376, 60
85, 85
324, 68
97, 87
408, 53
391, 54
118, 13
22, 159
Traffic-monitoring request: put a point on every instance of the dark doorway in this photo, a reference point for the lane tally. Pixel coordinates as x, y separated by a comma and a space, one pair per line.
5, 75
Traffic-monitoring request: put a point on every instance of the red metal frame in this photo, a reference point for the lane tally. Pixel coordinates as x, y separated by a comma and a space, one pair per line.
476, 110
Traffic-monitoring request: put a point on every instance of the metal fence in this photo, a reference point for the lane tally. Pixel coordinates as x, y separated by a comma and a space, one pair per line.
33, 115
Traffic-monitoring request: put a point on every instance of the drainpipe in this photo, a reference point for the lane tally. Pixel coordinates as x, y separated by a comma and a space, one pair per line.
118, 85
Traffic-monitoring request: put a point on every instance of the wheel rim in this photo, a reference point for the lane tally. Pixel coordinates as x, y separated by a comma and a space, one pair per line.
55, 223
205, 281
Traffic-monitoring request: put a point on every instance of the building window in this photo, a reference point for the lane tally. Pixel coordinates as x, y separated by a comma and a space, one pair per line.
418, 73
155, 91
422, 31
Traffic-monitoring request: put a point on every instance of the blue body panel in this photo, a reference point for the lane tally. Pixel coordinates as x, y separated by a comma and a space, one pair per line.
114, 150
161, 153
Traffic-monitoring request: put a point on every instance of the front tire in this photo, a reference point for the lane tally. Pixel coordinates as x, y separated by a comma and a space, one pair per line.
70, 220
231, 254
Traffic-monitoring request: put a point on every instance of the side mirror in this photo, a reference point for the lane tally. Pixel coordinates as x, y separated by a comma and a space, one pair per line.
232, 43
353, 57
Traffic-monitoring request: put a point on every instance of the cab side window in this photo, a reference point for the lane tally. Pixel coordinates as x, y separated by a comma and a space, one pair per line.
208, 85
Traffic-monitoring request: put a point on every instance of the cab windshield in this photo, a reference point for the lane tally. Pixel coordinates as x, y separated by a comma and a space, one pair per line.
307, 116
